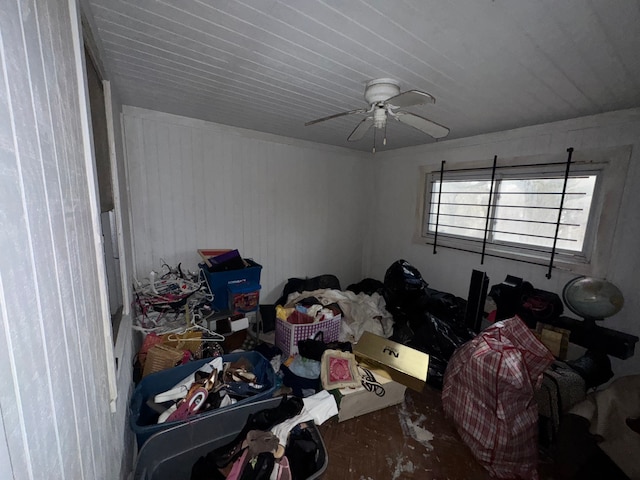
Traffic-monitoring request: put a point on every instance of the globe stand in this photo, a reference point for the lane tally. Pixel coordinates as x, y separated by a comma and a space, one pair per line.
588, 334
590, 324
591, 331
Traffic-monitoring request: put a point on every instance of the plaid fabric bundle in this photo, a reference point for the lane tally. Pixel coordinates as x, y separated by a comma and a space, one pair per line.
489, 390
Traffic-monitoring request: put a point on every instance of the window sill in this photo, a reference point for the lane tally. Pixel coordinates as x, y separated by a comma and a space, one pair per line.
572, 263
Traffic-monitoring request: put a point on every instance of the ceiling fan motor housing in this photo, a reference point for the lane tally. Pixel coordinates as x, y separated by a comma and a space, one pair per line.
380, 90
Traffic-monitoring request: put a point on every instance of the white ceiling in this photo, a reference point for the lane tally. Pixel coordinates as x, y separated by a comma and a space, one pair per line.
273, 65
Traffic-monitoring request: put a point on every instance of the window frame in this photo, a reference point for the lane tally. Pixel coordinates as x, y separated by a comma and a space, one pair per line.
609, 164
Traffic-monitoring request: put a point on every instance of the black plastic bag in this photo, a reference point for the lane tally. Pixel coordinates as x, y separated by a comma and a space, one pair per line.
404, 288
446, 306
539, 306
308, 285
313, 348
438, 338
516, 297
368, 286
425, 319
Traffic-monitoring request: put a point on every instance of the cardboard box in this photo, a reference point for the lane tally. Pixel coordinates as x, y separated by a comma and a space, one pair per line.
556, 339
232, 327
403, 364
377, 392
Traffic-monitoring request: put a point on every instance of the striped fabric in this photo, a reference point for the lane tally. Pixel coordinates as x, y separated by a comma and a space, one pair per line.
489, 390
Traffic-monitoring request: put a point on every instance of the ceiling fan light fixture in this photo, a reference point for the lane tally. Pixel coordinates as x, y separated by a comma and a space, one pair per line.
379, 118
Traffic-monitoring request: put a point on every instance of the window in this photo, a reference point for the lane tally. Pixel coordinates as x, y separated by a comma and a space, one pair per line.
521, 209
101, 145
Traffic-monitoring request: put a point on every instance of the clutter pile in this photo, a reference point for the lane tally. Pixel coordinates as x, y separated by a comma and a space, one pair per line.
352, 351
214, 385
199, 388
303, 320
280, 442
189, 374
352, 312
171, 311
425, 319
165, 302
318, 349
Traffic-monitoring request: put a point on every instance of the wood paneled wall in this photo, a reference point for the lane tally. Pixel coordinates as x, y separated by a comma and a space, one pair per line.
54, 397
298, 209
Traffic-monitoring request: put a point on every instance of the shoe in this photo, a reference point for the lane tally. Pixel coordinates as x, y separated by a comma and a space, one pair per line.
190, 405
258, 442
239, 375
181, 389
263, 420
284, 470
242, 389
240, 467
266, 419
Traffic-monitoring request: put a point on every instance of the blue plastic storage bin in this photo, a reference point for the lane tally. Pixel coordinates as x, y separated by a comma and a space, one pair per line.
143, 418
244, 297
219, 281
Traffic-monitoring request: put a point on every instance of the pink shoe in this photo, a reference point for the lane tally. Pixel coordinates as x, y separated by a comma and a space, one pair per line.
238, 466
190, 405
284, 472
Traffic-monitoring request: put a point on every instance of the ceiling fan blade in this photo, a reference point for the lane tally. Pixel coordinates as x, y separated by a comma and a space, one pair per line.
427, 126
361, 129
409, 98
336, 115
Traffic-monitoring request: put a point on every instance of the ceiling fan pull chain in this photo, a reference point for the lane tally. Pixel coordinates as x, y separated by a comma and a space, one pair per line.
374, 141
384, 140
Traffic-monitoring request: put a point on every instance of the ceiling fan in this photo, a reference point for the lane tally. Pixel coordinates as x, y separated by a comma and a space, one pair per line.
385, 101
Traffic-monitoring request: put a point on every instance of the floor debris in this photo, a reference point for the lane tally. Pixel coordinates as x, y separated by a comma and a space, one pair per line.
413, 428
400, 466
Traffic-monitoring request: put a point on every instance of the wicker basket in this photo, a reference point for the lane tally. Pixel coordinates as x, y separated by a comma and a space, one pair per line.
160, 357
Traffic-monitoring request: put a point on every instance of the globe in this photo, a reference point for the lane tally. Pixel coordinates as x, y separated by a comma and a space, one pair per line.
592, 298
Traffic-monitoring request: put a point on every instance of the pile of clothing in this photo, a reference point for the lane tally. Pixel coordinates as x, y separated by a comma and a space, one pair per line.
280, 443
360, 312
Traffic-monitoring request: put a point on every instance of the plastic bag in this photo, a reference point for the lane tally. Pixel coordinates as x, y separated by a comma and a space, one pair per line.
404, 287
425, 319
305, 367
308, 285
489, 390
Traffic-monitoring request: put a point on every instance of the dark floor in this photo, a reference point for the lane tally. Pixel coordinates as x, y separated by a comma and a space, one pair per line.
411, 440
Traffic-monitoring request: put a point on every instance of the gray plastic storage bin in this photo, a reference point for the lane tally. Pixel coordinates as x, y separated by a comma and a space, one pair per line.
171, 454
